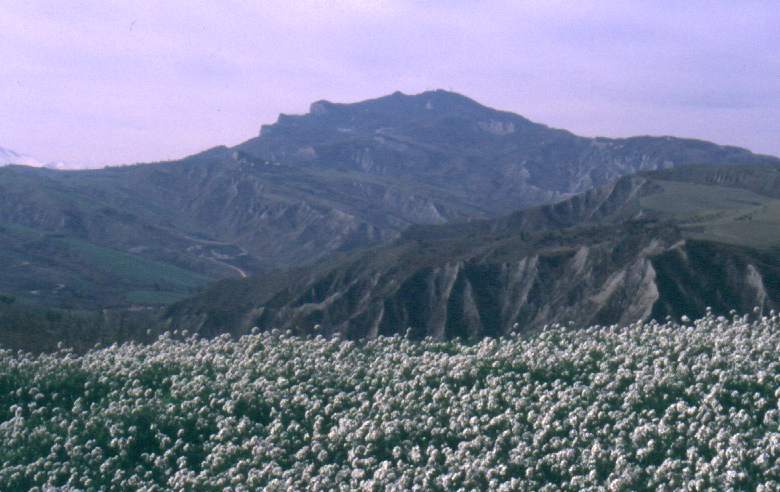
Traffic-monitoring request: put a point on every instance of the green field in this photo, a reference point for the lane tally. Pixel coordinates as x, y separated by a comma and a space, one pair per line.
151, 297
718, 213
133, 269
59, 270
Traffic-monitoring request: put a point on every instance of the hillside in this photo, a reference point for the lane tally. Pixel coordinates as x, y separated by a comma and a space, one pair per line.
664, 243
340, 178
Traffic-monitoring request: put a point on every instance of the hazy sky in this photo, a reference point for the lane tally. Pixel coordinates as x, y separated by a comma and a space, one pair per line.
96, 82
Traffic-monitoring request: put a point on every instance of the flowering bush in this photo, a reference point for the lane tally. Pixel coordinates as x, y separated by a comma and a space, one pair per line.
648, 406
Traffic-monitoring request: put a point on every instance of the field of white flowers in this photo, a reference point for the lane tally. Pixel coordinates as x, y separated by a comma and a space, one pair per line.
645, 407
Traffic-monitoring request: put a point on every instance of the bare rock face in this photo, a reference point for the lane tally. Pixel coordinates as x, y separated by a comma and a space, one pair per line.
499, 128
612, 274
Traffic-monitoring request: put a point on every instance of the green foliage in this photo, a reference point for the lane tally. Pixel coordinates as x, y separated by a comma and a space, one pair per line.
642, 407
40, 329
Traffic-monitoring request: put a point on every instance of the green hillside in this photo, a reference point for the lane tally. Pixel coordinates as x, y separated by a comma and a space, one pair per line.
719, 213
61, 271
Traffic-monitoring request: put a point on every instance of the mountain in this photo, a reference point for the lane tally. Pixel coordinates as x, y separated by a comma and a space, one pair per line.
496, 160
657, 244
337, 179
9, 157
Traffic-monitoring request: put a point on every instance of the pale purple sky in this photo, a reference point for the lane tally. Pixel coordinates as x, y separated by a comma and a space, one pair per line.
95, 82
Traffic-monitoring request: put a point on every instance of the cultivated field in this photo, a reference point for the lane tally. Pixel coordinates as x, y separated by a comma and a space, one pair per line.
647, 406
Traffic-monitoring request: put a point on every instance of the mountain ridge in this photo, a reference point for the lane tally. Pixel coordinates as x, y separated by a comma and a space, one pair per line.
9, 157
340, 178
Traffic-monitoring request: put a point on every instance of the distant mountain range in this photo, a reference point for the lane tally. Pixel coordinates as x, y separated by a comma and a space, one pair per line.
341, 177
397, 212
9, 158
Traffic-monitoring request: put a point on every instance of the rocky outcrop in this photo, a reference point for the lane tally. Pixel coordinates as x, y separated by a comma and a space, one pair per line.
604, 275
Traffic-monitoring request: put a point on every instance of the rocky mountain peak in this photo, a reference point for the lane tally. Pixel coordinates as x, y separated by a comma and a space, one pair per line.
439, 117
396, 106
320, 107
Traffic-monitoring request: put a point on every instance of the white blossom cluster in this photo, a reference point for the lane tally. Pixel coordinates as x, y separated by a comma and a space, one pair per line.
644, 407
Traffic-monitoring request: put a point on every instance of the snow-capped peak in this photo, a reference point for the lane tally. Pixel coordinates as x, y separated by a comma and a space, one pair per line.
8, 156
59, 165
